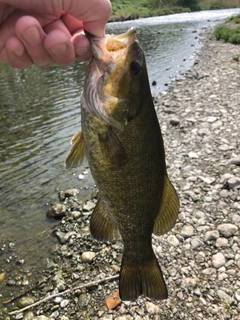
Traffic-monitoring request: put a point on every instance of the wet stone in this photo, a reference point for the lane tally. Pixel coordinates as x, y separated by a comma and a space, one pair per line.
25, 301
57, 211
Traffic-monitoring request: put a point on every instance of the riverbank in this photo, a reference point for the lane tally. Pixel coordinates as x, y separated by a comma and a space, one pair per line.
200, 257
134, 9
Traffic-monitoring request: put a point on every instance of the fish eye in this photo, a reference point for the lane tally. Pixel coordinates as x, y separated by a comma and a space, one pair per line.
135, 67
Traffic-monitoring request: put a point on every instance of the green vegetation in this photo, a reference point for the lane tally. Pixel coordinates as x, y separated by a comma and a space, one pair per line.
133, 9
230, 31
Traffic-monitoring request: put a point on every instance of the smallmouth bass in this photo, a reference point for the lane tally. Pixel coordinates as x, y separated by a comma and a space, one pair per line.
122, 141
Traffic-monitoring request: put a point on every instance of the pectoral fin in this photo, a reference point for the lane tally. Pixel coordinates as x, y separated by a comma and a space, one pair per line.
168, 211
77, 153
112, 148
101, 225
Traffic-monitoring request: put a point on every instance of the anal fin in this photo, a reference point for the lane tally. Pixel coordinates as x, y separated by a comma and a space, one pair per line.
101, 225
168, 210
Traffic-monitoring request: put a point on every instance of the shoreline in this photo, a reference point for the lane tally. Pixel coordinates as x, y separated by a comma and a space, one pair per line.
200, 257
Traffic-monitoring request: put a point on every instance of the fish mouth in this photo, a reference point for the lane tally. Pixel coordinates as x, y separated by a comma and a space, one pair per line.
107, 49
111, 43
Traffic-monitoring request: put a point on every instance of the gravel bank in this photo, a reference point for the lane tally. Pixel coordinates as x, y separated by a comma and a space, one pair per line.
200, 257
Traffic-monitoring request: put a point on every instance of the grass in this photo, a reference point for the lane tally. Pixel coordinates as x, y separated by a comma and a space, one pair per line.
229, 32
134, 9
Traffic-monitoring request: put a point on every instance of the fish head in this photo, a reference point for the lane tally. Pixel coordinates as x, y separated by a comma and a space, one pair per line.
118, 75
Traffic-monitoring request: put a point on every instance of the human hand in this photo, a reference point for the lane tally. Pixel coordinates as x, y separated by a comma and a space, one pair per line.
49, 31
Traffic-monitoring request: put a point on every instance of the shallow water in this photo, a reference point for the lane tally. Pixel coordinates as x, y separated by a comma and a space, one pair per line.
39, 113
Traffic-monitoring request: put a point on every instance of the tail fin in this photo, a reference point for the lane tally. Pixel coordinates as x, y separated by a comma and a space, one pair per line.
146, 279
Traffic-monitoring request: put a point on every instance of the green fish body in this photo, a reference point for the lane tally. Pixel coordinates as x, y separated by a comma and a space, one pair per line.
122, 141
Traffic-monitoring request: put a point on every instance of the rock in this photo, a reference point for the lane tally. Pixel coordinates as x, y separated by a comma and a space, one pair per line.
224, 297
196, 243
193, 155
227, 229
89, 206
211, 235
29, 316
234, 182
25, 301
173, 240
221, 242
187, 231
63, 237
174, 122
152, 308
189, 282
88, 256
71, 192
218, 260
224, 193
235, 161
64, 303
76, 214
237, 295
57, 211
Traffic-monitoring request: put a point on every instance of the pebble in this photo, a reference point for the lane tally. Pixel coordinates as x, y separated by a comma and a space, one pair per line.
218, 260
227, 229
25, 301
57, 211
173, 240
64, 303
221, 242
237, 295
89, 206
224, 297
211, 235
187, 231
152, 308
235, 161
87, 257
234, 182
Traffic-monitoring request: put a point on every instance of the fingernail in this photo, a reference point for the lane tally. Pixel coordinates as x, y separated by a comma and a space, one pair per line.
19, 51
32, 36
59, 50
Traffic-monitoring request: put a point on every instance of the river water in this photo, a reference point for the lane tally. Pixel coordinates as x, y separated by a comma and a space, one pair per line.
39, 113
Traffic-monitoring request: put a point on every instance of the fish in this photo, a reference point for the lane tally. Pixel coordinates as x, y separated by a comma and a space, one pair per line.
121, 138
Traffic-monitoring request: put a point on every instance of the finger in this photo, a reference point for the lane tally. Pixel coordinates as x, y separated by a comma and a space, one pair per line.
82, 46
79, 40
31, 34
58, 43
16, 54
94, 14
